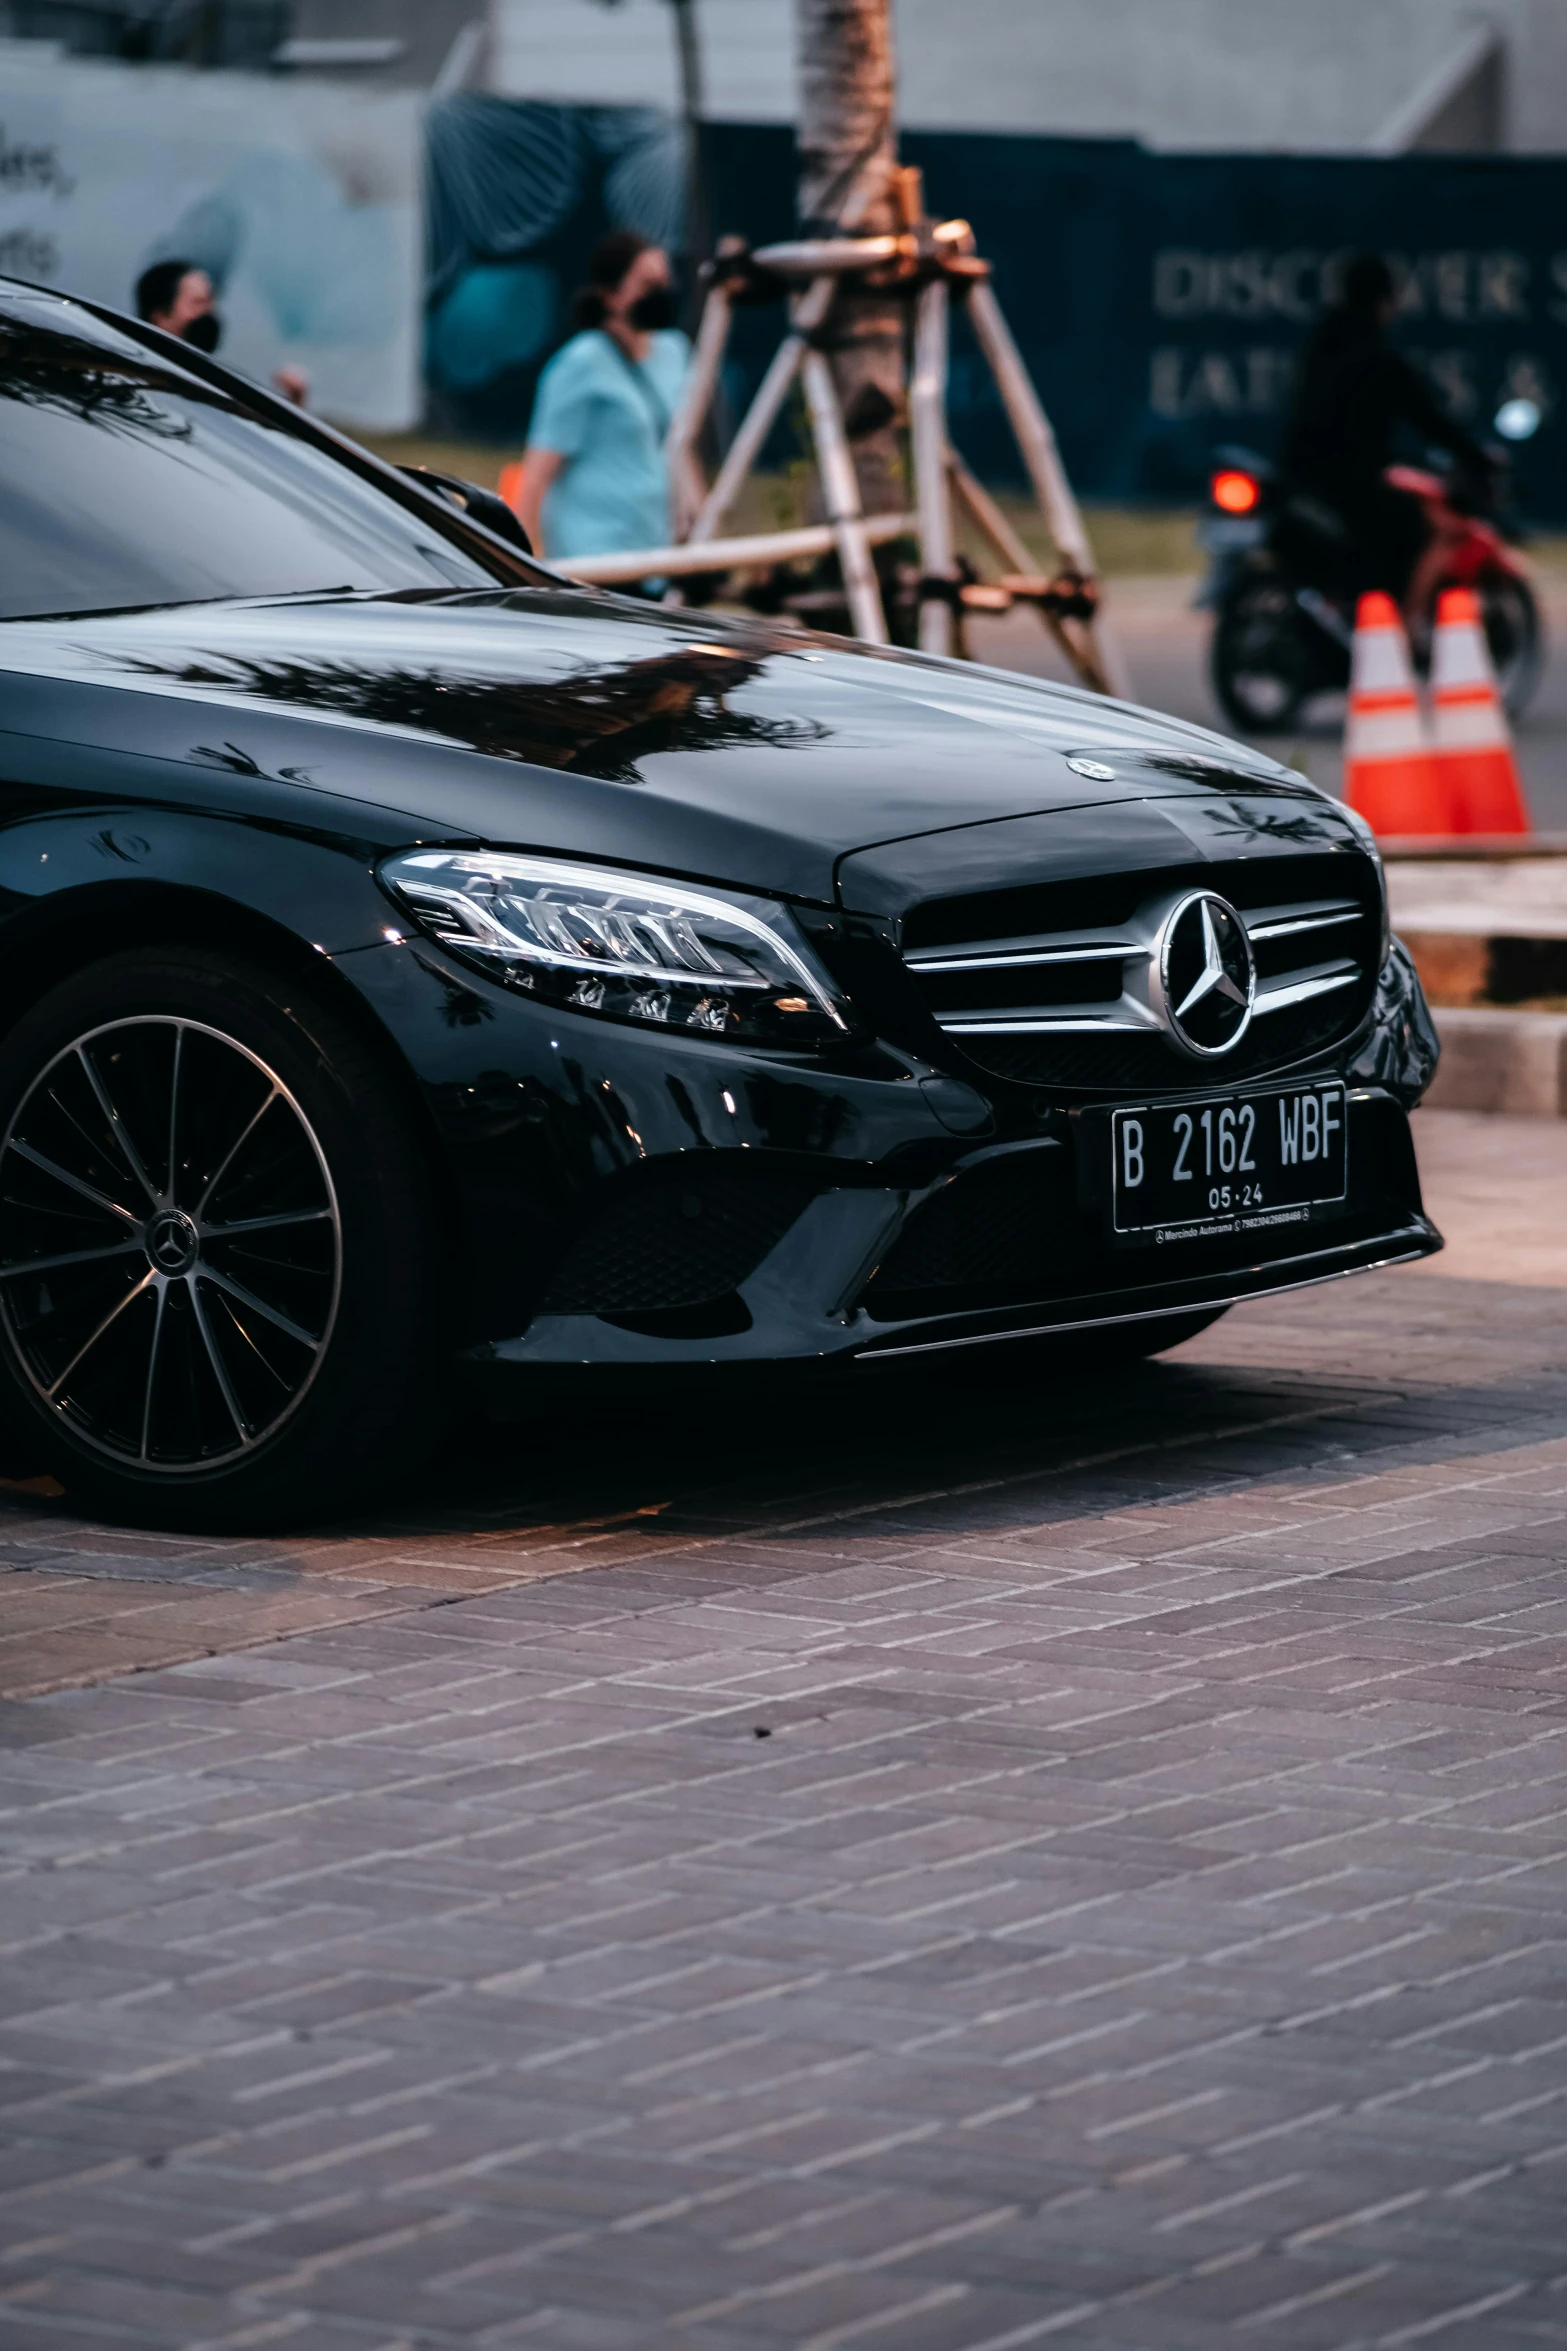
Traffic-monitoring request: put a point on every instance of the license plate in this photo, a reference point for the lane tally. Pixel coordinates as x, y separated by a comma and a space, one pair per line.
1237, 1165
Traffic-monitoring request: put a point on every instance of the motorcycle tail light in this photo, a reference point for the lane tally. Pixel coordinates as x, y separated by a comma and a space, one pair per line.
1234, 492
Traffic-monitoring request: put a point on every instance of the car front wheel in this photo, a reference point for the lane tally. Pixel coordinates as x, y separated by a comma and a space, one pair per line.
219, 1295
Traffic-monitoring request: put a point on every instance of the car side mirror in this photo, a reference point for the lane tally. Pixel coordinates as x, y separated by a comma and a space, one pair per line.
483, 505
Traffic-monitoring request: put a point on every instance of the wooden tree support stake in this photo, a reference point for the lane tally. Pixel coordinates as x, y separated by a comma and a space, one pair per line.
926, 265
841, 493
928, 418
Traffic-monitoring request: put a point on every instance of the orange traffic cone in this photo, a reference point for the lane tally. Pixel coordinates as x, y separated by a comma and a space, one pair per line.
509, 486
1389, 774
1471, 746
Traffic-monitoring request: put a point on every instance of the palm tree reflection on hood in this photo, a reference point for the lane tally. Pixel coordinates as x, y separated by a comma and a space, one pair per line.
592, 722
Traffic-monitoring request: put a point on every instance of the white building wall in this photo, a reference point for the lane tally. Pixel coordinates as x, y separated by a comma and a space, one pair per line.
302, 198
1311, 76
590, 52
1537, 94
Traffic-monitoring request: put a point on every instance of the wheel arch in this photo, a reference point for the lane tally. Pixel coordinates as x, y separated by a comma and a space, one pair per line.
55, 938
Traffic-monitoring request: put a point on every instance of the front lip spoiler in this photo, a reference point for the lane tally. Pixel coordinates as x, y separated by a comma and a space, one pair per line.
1421, 1239
797, 1302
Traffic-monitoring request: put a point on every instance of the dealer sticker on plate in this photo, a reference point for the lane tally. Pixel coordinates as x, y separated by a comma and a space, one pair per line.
1235, 1165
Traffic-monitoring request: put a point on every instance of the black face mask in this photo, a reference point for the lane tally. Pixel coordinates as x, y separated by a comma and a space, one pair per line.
204, 333
653, 310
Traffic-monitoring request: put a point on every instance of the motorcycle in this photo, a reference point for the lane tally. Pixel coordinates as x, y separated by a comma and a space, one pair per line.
1283, 582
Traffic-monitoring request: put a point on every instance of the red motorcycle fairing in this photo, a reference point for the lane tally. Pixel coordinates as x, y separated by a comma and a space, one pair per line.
1475, 549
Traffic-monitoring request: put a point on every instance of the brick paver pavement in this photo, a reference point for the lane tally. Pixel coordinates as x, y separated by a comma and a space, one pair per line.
1141, 1924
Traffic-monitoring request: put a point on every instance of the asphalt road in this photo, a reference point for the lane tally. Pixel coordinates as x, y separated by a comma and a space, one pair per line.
1165, 640
1009, 1861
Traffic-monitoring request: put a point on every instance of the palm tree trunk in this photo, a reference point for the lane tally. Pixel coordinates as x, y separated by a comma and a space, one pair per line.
688, 51
848, 161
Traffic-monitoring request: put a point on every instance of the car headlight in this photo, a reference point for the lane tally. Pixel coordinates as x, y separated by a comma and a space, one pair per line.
1368, 842
622, 945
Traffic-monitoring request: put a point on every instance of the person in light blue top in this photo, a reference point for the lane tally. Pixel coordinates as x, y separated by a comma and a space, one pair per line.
595, 480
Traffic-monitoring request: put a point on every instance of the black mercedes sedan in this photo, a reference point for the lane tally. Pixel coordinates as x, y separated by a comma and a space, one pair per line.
417, 967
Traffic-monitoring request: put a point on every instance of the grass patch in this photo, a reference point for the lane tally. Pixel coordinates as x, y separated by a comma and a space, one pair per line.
1127, 540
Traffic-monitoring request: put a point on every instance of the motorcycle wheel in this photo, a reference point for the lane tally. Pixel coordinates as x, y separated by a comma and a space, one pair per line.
1515, 636
1261, 669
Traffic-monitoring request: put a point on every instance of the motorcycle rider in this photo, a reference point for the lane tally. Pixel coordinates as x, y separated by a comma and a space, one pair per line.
1353, 390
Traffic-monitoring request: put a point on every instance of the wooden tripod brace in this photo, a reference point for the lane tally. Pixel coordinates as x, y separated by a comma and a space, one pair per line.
929, 264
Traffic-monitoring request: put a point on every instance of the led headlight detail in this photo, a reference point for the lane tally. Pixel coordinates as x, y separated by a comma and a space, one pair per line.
621, 945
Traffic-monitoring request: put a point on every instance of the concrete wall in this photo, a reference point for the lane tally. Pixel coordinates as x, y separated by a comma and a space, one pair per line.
1200, 74
423, 31
301, 198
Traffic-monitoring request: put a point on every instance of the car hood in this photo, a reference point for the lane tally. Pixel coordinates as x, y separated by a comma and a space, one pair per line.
597, 725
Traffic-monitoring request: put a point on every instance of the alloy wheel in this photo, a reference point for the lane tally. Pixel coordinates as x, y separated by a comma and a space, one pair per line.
170, 1244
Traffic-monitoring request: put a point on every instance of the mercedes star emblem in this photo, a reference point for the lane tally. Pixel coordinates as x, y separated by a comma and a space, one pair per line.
1206, 978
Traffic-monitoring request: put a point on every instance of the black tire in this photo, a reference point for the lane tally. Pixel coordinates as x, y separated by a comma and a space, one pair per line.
1259, 663
1515, 638
220, 1286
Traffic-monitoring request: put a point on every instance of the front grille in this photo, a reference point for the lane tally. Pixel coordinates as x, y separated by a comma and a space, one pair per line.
1149, 1064
1053, 985
675, 1242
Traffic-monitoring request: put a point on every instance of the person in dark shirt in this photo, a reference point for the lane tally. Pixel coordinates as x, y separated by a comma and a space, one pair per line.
1352, 392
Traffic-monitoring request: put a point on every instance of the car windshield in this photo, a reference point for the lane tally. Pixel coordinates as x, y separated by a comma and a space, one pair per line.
123, 481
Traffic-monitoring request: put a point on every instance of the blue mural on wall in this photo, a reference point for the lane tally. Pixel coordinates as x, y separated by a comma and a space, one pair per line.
1159, 300
516, 195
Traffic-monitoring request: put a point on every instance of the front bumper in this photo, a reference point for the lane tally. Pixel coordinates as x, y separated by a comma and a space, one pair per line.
620, 1198
835, 1285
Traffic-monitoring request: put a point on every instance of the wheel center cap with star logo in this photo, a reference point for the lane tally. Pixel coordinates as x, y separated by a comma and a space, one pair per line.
1205, 975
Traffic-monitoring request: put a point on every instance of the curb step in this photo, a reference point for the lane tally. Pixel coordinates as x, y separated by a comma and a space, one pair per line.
1501, 1061
1488, 930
